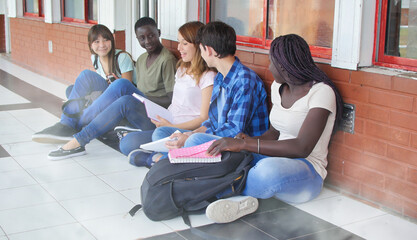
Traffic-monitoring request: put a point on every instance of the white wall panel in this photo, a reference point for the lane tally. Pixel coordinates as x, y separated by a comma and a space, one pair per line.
347, 33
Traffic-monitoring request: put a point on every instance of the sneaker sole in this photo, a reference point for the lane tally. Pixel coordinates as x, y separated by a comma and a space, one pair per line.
127, 129
67, 156
225, 211
51, 139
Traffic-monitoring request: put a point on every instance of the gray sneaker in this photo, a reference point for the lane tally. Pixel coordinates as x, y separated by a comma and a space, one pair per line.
58, 133
231, 209
63, 154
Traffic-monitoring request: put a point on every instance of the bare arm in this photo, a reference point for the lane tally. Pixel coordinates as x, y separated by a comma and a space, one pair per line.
128, 75
194, 123
301, 146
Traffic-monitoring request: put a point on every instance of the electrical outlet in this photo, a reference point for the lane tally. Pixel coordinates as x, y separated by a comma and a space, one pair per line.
348, 118
50, 47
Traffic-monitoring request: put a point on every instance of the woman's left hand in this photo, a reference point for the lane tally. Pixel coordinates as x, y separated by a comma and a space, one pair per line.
225, 144
162, 122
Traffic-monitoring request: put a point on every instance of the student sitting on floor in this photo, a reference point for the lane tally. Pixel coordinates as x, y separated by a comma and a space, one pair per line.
108, 61
238, 102
290, 159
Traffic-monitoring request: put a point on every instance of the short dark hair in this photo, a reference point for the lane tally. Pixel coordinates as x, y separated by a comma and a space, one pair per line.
220, 36
145, 21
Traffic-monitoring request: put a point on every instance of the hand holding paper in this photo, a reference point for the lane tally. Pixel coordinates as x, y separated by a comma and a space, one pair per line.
153, 110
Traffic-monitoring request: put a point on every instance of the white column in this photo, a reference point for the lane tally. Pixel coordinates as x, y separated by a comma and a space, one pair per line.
52, 11
347, 34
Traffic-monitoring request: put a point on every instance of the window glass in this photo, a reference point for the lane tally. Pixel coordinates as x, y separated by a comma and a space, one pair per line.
74, 9
311, 19
245, 16
32, 6
92, 10
401, 29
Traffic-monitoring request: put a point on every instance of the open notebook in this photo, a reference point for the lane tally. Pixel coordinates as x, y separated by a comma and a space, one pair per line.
196, 154
153, 109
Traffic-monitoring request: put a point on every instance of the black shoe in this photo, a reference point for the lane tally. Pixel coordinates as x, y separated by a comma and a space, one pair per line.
63, 154
58, 133
121, 131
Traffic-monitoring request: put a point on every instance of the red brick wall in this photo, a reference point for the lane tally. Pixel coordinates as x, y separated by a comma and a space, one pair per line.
378, 163
71, 55
2, 34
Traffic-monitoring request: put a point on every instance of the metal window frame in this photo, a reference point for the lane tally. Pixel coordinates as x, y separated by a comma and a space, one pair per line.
380, 58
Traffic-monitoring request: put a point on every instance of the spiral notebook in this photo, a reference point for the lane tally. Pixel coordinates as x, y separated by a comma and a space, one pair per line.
196, 154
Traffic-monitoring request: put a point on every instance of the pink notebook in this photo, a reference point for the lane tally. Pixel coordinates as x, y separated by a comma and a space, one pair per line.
196, 154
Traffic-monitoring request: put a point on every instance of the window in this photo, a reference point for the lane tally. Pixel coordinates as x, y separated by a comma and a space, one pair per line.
33, 8
396, 40
258, 22
82, 11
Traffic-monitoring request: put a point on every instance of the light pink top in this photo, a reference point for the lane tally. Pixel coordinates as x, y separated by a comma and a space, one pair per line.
186, 98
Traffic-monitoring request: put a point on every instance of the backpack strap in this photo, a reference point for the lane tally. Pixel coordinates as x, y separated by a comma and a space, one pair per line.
198, 232
95, 64
116, 58
82, 102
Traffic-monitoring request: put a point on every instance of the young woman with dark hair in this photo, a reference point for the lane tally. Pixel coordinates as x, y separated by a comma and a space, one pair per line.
108, 62
290, 158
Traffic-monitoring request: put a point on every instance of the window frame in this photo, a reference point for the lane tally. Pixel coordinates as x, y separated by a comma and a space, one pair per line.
264, 43
35, 15
379, 57
86, 20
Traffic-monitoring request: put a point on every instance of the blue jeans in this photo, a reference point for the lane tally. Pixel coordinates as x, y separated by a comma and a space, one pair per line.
111, 93
133, 140
163, 132
288, 179
86, 83
126, 107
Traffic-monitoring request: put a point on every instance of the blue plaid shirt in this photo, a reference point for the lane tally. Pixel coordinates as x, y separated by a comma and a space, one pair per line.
244, 109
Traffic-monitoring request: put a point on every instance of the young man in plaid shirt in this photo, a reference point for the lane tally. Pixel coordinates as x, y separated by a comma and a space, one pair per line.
238, 103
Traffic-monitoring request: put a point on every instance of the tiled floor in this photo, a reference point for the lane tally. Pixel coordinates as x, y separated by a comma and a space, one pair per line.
88, 197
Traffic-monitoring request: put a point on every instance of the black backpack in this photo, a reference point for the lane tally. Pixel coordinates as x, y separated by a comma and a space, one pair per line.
171, 190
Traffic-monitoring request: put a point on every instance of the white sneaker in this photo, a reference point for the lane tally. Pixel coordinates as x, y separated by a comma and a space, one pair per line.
230, 209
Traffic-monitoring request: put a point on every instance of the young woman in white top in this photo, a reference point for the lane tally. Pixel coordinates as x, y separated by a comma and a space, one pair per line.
290, 158
191, 95
109, 63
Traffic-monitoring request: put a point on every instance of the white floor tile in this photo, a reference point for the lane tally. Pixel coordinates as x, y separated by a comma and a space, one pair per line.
107, 165
24, 197
3, 238
340, 210
104, 205
35, 217
77, 188
65, 232
2, 233
13, 126
28, 148
9, 97
37, 80
16, 178
15, 138
385, 227
125, 180
133, 195
122, 227
36, 119
40, 160
8, 164
177, 224
58, 172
